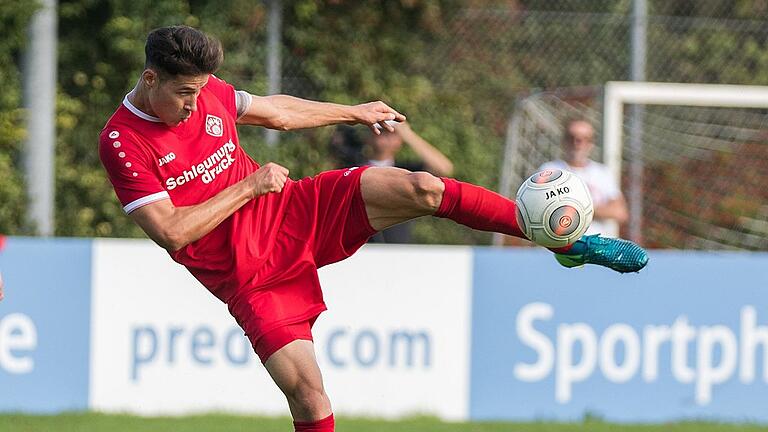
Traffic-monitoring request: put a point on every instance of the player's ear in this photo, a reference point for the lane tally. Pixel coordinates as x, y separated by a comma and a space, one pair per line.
150, 77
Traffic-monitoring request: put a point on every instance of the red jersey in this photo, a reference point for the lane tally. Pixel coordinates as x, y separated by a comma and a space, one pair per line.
147, 160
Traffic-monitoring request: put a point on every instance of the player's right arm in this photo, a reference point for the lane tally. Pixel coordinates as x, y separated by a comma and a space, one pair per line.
131, 168
174, 227
283, 112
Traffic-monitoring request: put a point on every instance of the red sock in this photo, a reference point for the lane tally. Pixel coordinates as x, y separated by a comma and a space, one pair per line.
478, 208
481, 209
324, 425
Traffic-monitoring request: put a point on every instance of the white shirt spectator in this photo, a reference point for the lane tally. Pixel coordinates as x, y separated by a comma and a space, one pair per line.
603, 187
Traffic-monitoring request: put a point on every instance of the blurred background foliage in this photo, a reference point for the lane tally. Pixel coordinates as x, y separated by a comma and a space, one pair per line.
453, 67
13, 24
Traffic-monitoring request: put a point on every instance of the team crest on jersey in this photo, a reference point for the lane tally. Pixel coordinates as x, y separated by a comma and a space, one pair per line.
214, 126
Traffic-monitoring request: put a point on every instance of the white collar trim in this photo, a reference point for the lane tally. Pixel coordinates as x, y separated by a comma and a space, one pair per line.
139, 113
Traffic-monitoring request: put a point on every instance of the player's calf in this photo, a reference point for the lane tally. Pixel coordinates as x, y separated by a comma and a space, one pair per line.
478, 208
308, 402
295, 371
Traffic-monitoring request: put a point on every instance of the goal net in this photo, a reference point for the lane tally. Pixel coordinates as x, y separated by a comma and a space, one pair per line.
692, 159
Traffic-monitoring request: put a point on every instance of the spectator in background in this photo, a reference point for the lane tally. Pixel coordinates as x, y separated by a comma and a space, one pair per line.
610, 205
381, 150
346, 147
385, 147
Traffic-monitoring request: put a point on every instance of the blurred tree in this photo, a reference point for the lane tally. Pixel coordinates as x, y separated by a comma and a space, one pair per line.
405, 53
454, 67
14, 19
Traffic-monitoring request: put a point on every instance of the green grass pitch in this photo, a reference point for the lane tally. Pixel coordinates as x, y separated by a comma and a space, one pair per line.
90, 422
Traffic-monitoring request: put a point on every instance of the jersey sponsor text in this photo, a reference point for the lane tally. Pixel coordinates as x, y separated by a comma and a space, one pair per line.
207, 169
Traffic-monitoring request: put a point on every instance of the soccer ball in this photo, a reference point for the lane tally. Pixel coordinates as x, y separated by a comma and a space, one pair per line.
554, 208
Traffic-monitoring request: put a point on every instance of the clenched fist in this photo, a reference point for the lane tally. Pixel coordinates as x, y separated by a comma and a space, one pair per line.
270, 177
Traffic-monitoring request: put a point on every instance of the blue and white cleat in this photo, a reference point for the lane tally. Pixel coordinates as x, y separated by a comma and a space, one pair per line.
620, 255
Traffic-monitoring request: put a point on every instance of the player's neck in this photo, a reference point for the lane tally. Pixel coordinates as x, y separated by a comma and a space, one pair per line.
139, 98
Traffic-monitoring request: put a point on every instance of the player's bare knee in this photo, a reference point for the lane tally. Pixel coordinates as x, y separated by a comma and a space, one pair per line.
428, 190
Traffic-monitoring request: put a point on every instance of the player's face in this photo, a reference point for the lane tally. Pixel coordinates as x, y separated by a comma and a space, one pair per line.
578, 143
173, 99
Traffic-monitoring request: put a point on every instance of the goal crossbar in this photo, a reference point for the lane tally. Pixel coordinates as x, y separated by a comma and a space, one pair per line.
619, 93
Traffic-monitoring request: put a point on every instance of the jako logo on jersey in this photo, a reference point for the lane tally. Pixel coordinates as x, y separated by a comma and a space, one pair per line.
166, 159
214, 126
207, 169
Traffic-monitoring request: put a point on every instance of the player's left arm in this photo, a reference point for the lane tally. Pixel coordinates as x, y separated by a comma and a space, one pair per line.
283, 112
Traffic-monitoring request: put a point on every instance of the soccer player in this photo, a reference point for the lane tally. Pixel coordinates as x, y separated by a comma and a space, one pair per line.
250, 234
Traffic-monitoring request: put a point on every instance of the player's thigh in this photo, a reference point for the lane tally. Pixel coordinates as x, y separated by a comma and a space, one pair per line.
394, 195
295, 365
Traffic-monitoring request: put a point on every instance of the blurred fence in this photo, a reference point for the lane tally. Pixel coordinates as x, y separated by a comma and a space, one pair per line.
698, 172
525, 45
455, 67
560, 53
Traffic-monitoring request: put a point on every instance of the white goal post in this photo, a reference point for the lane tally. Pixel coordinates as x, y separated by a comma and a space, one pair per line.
619, 93
665, 123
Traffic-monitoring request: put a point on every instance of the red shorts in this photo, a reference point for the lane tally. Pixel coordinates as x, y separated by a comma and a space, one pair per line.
325, 221
273, 340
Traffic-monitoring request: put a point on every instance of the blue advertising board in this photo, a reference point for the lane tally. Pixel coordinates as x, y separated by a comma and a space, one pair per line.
45, 325
686, 338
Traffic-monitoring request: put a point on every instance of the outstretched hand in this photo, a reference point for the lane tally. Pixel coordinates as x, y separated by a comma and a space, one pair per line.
376, 113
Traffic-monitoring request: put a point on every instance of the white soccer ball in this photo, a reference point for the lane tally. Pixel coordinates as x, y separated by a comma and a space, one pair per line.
554, 208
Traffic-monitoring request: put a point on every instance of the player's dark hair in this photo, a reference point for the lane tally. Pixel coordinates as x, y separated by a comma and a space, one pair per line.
182, 50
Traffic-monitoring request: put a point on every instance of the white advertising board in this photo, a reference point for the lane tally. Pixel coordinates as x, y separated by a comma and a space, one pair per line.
395, 341
162, 344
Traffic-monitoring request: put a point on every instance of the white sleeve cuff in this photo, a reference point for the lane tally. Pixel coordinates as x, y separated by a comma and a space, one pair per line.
242, 102
141, 202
